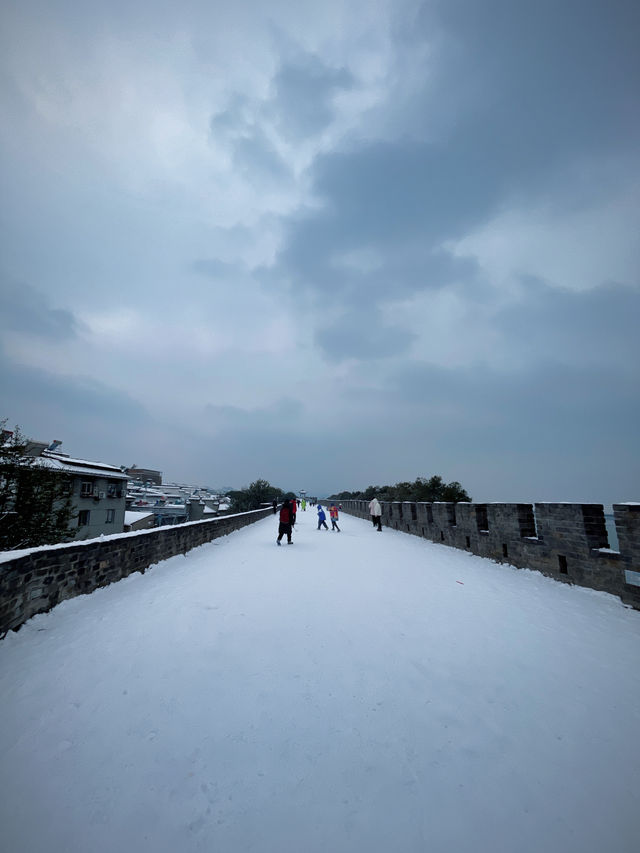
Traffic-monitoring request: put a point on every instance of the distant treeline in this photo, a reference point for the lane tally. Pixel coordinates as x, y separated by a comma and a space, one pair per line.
433, 489
255, 495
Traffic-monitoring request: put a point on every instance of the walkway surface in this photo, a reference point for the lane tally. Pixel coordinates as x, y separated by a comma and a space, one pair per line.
355, 691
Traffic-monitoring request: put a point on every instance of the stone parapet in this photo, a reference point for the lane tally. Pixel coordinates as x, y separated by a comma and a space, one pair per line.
566, 541
41, 578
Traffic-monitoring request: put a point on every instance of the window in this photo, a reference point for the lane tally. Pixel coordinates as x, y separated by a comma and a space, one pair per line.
111, 514
482, 518
86, 489
83, 517
114, 490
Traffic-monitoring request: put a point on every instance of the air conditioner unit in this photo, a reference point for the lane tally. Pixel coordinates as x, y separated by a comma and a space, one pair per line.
102, 495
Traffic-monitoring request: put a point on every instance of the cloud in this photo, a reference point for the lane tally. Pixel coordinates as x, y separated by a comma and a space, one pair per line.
304, 88
569, 430
24, 309
540, 83
591, 329
381, 240
89, 416
215, 268
504, 133
243, 128
582, 238
283, 413
364, 335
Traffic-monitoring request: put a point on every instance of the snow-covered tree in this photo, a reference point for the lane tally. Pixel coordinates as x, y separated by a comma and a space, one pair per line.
35, 501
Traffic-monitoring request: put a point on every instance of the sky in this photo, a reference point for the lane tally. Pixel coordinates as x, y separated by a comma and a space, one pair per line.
328, 245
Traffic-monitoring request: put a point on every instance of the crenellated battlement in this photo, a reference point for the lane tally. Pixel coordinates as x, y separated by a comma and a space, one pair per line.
566, 541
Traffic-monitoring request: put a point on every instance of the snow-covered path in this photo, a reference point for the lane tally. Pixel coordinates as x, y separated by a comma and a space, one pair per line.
356, 691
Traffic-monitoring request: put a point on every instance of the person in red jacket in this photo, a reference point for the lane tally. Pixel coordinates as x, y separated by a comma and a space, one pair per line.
294, 511
286, 516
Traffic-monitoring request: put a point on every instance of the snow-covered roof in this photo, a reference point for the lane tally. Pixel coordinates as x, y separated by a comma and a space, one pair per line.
130, 516
80, 466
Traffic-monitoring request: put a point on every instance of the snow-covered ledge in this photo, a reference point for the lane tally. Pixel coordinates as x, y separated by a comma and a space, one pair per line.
35, 579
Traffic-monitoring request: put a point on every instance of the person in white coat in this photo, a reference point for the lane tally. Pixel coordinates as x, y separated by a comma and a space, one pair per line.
375, 511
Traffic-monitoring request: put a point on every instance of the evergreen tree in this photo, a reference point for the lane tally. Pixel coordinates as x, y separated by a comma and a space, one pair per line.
433, 489
35, 501
254, 495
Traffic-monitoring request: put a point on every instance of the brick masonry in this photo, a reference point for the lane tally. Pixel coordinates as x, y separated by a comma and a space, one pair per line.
564, 541
36, 582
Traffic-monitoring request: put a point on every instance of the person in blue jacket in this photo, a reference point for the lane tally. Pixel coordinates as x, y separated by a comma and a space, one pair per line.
321, 518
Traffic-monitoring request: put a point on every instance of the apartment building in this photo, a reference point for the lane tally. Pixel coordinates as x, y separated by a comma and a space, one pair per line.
98, 493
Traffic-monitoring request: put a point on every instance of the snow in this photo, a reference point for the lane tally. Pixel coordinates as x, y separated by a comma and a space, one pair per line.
6, 556
130, 516
356, 691
81, 466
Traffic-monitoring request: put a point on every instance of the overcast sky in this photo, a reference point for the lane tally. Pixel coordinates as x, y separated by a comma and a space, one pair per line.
330, 244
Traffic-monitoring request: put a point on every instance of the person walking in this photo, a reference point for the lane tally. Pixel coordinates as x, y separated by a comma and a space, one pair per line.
275, 506
285, 522
333, 512
375, 511
294, 511
322, 518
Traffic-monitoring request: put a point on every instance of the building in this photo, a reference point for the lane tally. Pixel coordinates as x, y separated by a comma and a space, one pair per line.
98, 493
94, 491
138, 520
145, 475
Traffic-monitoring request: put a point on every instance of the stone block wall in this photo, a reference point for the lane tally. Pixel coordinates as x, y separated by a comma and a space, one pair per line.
566, 541
37, 581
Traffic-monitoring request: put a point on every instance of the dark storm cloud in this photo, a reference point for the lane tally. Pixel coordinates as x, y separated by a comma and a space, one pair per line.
24, 309
540, 80
517, 96
387, 196
304, 88
399, 201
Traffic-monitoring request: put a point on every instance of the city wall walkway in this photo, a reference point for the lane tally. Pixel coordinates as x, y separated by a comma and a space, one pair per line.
355, 691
